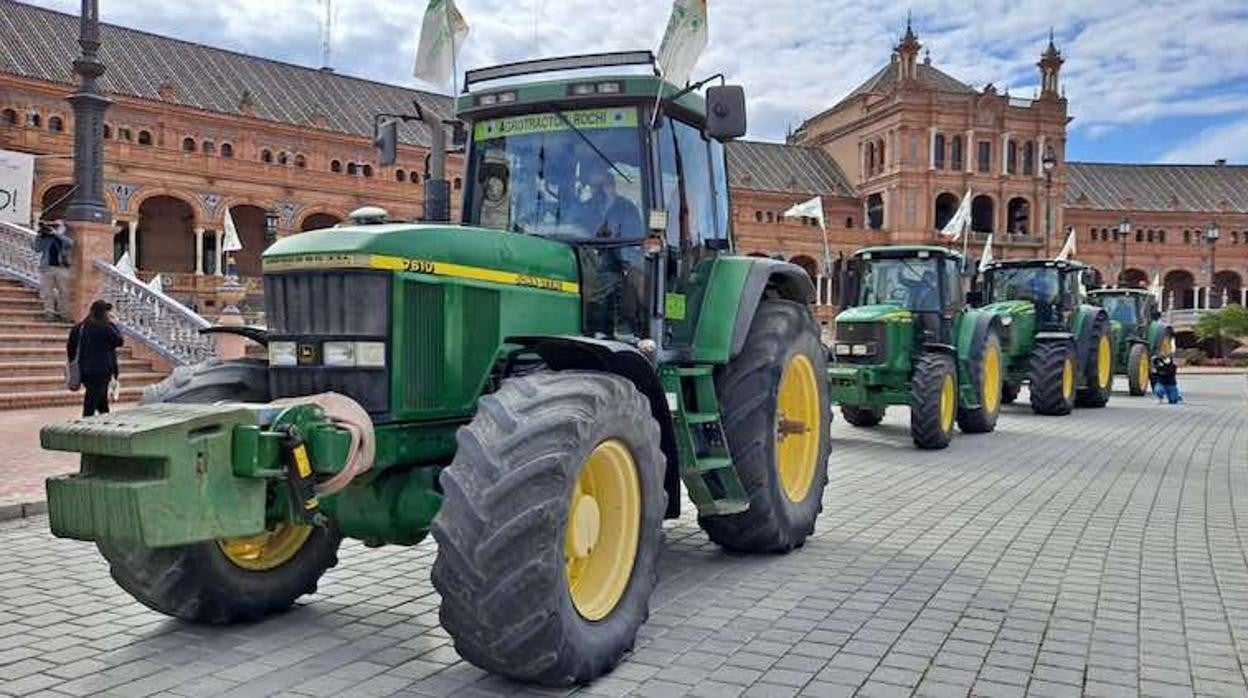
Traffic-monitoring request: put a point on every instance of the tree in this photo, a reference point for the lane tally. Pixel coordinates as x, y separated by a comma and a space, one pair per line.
1230, 322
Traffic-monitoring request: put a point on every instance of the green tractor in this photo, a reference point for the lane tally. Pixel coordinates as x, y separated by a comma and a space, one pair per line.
534, 387
1139, 332
907, 337
1059, 344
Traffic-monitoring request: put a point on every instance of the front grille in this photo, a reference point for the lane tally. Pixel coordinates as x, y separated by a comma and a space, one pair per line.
452, 336
871, 334
313, 307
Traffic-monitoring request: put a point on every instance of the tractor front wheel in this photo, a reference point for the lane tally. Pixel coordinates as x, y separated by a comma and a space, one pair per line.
1098, 372
986, 377
933, 400
1052, 378
550, 527
862, 416
1137, 370
776, 415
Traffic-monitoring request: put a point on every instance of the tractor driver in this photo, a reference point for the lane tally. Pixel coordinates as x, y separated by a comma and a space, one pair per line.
1044, 295
605, 215
924, 295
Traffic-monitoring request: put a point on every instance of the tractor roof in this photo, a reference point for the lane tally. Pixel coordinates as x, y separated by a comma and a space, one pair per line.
1023, 263
908, 251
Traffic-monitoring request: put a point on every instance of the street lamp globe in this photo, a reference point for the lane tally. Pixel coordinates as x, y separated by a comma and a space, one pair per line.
1050, 160
1212, 233
1124, 227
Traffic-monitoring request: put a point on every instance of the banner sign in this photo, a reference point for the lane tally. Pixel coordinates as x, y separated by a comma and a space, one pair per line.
585, 119
17, 179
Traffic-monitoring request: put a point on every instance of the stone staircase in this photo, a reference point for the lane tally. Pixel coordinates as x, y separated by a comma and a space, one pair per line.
32, 356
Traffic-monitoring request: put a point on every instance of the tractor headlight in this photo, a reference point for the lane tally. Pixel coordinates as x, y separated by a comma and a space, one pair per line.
370, 354
283, 354
842, 350
861, 349
338, 353
354, 354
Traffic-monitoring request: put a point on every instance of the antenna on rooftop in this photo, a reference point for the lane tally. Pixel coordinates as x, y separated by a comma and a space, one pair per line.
327, 33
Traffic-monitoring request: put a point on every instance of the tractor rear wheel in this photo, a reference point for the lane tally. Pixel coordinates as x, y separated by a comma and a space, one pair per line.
1098, 373
933, 400
1009, 392
234, 579
1052, 378
862, 416
1137, 370
550, 527
776, 414
986, 377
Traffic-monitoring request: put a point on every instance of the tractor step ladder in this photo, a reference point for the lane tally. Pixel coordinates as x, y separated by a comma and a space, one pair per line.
705, 463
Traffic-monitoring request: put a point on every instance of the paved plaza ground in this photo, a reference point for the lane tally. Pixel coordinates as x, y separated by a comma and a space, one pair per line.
1103, 553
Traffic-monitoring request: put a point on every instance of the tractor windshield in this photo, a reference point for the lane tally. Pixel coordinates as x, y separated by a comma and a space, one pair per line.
907, 282
1120, 308
1035, 284
571, 175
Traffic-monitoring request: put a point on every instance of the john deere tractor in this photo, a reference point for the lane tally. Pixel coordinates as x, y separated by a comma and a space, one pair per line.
1139, 332
1058, 344
533, 387
907, 337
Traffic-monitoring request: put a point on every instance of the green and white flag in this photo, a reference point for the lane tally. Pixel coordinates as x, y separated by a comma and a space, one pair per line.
231, 243
808, 209
684, 41
442, 33
985, 258
960, 222
1071, 248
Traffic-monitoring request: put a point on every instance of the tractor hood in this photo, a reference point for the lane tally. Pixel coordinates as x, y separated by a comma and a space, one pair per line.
409, 246
875, 313
1011, 308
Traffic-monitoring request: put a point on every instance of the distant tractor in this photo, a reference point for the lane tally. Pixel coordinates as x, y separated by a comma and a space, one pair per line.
1139, 333
538, 385
907, 337
1058, 344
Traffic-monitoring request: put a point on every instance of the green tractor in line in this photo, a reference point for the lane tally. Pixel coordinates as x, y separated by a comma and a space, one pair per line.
535, 386
1058, 344
1139, 333
908, 337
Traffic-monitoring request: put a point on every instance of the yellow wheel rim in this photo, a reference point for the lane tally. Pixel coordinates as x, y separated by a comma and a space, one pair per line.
1142, 372
992, 379
1068, 378
268, 550
604, 525
948, 403
797, 428
1104, 363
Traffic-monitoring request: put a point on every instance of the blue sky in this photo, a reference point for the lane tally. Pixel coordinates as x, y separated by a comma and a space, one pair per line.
1147, 80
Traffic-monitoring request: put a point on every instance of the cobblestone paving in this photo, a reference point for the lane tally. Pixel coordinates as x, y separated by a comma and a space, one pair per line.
1103, 553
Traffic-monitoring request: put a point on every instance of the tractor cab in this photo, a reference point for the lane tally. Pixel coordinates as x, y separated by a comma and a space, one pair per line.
920, 285
1131, 308
1056, 288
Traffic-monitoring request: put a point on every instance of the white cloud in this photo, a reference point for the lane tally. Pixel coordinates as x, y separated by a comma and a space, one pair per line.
1128, 62
1228, 141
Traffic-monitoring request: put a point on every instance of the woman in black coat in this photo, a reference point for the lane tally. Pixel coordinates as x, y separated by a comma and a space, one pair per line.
95, 341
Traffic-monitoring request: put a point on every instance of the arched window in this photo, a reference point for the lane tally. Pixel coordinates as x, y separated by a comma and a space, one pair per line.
208, 147
938, 154
352, 168
758, 216
1139, 235
871, 158
33, 119
1029, 158
982, 214
875, 211
956, 160
283, 158
946, 205
266, 156
1161, 236
1011, 157
56, 124
300, 161
227, 150
1151, 233
849, 221
368, 170
145, 138
458, 184
125, 134
1187, 237
400, 176
9, 117
1018, 216
879, 151
108, 131
770, 219
335, 166
188, 144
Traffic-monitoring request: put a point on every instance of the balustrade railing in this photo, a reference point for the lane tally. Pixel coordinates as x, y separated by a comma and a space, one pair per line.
17, 255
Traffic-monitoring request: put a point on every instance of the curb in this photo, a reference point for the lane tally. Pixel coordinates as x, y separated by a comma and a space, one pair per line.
12, 512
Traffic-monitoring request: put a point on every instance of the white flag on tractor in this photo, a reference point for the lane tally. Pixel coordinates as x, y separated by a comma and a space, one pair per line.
960, 222
125, 266
985, 258
808, 209
156, 284
442, 33
1069, 250
231, 243
684, 41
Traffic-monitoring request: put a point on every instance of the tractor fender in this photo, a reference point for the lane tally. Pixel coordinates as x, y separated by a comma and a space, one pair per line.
568, 352
940, 348
972, 331
784, 279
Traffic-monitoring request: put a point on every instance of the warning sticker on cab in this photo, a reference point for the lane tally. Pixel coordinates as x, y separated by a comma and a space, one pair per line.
584, 119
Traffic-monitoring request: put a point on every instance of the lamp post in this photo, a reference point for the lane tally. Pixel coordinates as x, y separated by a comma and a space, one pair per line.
1211, 236
89, 106
271, 220
1123, 230
1049, 162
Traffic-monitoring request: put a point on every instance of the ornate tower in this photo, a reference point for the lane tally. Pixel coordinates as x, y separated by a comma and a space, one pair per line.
907, 52
1050, 65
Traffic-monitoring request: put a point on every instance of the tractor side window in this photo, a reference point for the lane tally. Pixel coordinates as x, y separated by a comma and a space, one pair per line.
695, 167
953, 285
719, 179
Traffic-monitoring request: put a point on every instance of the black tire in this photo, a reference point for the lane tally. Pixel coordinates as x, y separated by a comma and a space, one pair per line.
1138, 370
862, 416
1049, 394
1098, 386
1009, 392
983, 419
748, 388
500, 565
930, 428
198, 582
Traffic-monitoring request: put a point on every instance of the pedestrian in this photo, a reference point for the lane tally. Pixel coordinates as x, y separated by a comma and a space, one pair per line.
95, 341
1167, 380
54, 245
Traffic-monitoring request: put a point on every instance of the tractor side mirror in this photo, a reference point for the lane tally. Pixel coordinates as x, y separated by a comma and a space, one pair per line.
847, 285
459, 134
386, 141
725, 112
975, 298
1154, 314
1089, 279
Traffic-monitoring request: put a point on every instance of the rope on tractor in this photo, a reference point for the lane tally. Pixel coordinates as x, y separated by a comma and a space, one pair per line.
347, 414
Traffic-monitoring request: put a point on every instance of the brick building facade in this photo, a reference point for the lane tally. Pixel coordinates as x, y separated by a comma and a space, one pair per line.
195, 131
